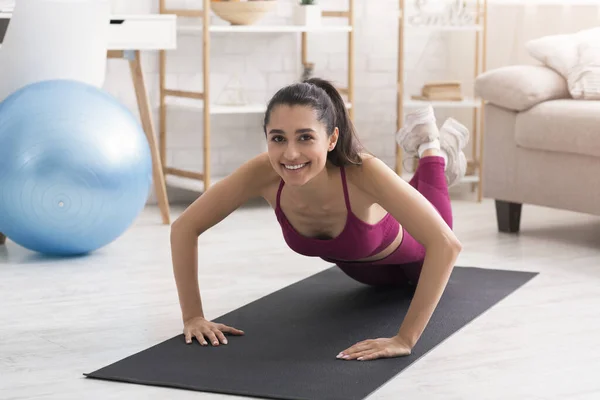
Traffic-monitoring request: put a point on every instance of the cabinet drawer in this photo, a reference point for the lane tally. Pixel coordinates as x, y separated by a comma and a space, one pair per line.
130, 32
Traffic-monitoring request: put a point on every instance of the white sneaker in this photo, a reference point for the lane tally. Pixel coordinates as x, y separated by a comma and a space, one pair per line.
458, 130
453, 138
419, 127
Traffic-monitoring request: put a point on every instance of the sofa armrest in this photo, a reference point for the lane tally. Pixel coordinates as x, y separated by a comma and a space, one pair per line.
520, 87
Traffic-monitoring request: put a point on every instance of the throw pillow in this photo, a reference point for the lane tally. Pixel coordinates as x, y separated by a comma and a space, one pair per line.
575, 56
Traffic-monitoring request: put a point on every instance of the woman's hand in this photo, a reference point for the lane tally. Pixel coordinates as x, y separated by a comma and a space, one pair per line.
202, 329
376, 348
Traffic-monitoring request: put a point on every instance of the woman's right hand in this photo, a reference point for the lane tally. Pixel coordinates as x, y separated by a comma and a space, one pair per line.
204, 330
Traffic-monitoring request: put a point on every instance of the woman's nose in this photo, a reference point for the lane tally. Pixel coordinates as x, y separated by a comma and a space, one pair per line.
291, 152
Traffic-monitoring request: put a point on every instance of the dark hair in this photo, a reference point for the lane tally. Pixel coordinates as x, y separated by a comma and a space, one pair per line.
322, 96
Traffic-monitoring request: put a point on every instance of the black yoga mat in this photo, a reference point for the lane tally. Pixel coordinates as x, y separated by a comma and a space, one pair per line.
292, 337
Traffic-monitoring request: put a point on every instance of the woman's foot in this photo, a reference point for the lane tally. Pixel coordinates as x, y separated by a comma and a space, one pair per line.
419, 127
419, 134
453, 138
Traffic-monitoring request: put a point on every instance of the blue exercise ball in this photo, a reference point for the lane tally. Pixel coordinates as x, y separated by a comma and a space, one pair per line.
75, 167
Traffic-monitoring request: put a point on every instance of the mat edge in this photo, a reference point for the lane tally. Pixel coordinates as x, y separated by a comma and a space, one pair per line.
188, 388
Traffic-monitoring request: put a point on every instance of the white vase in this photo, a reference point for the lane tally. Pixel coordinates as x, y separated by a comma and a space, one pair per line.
308, 15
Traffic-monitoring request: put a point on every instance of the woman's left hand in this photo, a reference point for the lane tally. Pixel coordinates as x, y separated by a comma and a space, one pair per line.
376, 348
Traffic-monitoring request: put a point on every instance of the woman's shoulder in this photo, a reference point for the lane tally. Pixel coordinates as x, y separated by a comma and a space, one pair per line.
259, 172
378, 181
371, 175
371, 167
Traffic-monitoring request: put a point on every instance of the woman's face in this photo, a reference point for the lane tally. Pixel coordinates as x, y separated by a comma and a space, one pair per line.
298, 143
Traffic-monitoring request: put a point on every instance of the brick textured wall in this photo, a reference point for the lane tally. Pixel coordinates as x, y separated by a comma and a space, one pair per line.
264, 62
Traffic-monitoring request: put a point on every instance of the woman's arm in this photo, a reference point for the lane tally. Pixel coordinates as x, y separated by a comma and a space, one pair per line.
210, 208
420, 218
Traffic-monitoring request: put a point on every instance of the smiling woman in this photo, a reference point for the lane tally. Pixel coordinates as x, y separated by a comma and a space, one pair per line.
317, 103
335, 201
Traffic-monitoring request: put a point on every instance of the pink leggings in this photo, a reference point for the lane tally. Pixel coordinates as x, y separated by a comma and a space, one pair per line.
403, 265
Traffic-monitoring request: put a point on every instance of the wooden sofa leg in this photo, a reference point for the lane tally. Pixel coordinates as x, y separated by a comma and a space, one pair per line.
2, 238
508, 216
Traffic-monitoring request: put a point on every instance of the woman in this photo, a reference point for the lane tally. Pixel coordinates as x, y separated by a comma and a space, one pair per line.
336, 202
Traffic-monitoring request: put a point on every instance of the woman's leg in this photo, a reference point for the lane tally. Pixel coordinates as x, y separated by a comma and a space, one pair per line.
431, 183
420, 137
442, 164
441, 160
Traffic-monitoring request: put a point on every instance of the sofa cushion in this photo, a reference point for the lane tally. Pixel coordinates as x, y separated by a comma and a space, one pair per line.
570, 126
520, 87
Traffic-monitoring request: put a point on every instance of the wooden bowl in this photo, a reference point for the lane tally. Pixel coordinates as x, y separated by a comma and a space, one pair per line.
242, 12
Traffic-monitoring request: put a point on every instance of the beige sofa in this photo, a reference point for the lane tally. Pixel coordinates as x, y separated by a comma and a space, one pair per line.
540, 146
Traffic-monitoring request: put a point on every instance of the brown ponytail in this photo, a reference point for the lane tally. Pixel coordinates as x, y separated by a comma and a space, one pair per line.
326, 100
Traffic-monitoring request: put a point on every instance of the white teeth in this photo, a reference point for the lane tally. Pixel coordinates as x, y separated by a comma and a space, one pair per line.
295, 166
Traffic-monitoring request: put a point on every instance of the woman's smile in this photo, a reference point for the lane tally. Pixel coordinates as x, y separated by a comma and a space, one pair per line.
295, 167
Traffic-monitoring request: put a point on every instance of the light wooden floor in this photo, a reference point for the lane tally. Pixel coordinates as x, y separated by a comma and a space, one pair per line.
61, 318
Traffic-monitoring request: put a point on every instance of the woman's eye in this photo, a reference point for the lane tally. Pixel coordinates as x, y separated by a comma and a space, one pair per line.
277, 139
305, 137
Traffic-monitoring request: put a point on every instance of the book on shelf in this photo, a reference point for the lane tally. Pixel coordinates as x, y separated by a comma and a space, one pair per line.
440, 90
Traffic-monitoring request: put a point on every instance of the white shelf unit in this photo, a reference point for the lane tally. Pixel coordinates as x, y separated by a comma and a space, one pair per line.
201, 101
404, 101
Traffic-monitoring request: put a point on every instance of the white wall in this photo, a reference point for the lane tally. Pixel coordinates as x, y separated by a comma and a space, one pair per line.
265, 62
